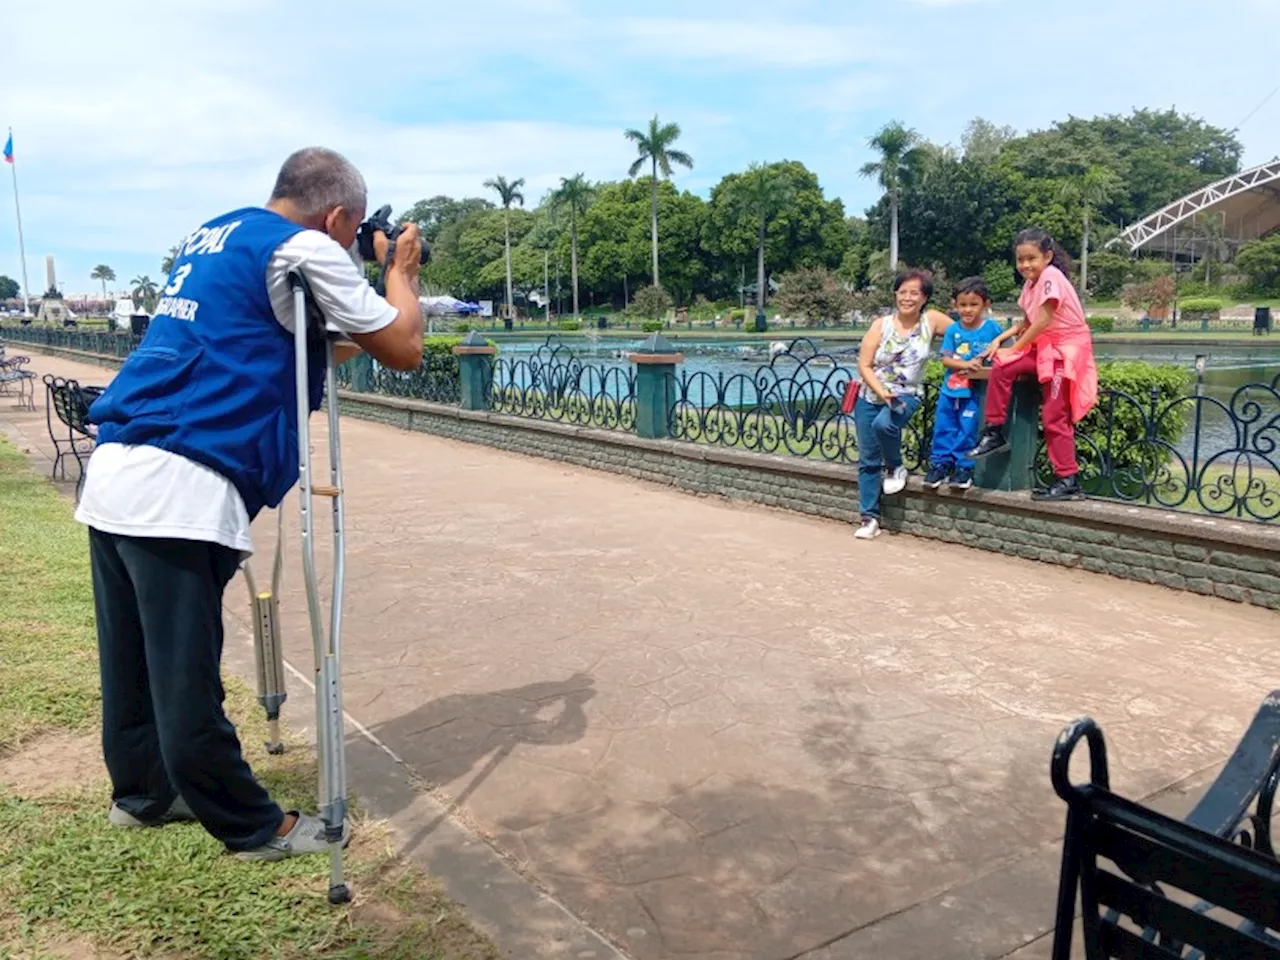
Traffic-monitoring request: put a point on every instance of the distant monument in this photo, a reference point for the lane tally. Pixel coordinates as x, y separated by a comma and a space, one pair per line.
52, 308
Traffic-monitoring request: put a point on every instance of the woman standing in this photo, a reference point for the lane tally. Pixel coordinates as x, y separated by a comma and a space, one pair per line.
891, 365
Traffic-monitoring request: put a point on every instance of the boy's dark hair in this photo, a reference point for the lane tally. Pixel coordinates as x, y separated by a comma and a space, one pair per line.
1046, 244
915, 273
976, 285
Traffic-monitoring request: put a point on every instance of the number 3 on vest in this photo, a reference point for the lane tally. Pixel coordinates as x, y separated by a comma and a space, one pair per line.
179, 277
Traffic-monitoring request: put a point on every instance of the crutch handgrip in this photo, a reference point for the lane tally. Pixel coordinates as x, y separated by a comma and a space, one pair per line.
323, 490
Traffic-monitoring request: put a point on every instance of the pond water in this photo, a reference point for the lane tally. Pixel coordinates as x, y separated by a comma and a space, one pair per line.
733, 371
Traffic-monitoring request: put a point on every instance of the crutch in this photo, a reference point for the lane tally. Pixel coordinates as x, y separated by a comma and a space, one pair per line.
328, 649
268, 653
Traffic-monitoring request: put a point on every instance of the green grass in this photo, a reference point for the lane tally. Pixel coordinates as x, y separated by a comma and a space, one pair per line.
67, 877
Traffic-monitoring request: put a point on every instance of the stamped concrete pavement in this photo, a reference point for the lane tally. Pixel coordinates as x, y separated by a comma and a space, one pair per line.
723, 732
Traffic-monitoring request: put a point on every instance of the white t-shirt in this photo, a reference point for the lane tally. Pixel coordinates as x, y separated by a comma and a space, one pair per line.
143, 491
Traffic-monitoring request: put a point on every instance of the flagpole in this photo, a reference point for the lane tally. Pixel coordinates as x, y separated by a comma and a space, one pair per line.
22, 252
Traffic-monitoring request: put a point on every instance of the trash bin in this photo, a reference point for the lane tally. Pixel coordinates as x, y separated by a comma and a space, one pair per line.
506, 323
602, 323
138, 323
761, 323
1261, 320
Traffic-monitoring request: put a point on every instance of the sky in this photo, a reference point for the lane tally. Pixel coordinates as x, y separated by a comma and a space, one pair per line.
134, 122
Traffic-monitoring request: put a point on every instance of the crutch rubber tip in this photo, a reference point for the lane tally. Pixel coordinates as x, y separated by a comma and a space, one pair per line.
339, 894
275, 749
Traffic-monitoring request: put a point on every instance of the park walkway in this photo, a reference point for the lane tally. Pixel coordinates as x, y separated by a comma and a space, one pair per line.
722, 732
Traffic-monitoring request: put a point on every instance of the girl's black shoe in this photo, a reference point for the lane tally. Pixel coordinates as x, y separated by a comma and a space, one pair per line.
991, 441
1063, 488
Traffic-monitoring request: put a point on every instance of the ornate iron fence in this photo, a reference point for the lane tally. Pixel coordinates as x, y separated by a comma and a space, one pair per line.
790, 406
1196, 452
554, 384
108, 343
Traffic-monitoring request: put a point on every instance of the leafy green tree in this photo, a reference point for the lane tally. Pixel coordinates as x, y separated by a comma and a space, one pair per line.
574, 195
615, 237
896, 145
983, 140
1260, 262
654, 148
9, 288
1002, 281
105, 274
508, 193
435, 214
749, 201
801, 228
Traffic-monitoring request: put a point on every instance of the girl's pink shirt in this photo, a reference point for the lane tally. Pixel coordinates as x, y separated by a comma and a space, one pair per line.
1067, 339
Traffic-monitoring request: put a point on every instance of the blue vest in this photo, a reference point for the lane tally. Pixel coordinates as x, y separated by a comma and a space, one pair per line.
213, 379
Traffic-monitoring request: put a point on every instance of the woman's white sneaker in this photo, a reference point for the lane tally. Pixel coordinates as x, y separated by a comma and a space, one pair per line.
895, 481
869, 529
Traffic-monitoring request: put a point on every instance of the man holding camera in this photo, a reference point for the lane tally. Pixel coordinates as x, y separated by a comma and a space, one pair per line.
196, 434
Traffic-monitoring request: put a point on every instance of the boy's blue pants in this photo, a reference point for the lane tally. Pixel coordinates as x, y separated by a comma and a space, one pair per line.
955, 431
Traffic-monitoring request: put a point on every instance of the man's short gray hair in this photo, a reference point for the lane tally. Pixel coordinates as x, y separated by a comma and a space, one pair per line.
316, 180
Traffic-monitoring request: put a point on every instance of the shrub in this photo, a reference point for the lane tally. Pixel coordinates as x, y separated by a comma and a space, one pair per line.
1117, 426
570, 326
463, 326
1199, 305
1102, 324
650, 301
651, 326
738, 314
1153, 295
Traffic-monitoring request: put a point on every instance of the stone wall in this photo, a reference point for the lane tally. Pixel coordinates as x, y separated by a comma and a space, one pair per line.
1216, 557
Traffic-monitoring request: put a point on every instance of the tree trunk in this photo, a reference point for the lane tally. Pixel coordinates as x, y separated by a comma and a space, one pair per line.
893, 231
653, 211
760, 269
1084, 258
507, 247
573, 258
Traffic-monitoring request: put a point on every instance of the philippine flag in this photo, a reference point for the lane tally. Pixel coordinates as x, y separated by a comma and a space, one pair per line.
8, 149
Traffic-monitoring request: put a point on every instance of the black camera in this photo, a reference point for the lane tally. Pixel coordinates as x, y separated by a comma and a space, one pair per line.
381, 222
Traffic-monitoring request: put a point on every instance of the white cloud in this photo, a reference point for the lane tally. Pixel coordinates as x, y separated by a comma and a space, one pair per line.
752, 43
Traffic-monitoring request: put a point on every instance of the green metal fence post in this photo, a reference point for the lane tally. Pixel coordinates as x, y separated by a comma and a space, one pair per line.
655, 362
475, 358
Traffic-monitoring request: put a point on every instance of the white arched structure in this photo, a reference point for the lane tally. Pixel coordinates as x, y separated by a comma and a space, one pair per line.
1249, 203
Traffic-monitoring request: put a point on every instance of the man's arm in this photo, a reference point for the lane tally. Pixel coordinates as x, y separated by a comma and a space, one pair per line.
399, 344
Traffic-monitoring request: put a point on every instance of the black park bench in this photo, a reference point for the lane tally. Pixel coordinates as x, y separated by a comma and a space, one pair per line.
67, 414
1154, 888
17, 381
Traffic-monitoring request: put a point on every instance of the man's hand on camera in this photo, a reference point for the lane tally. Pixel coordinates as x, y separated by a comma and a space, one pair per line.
408, 249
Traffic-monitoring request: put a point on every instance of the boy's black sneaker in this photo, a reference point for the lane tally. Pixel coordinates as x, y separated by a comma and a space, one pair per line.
962, 479
936, 477
1063, 488
991, 441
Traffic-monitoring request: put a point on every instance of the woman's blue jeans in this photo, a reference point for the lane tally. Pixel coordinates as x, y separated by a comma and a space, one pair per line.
879, 445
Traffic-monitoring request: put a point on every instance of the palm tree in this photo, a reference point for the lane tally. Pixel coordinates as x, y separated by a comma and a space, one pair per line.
1212, 230
1091, 190
144, 289
764, 194
508, 193
897, 145
654, 148
166, 265
575, 193
104, 273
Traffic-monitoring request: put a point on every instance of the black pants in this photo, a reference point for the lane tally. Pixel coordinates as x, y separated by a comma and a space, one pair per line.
164, 732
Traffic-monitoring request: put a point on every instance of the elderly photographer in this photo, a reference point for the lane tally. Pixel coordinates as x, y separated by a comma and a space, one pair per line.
197, 433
